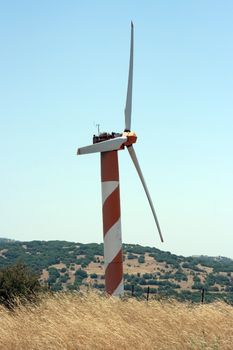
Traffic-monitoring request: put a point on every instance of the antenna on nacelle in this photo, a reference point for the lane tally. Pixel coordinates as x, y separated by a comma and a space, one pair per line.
98, 128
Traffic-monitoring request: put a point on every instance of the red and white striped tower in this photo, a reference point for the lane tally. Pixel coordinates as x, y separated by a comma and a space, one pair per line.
108, 144
112, 223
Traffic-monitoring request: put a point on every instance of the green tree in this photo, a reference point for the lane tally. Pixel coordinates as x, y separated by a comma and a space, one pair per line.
17, 281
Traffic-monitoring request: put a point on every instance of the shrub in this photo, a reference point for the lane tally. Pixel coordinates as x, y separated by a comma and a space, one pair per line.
17, 281
99, 285
141, 259
81, 273
56, 287
131, 256
63, 270
147, 276
142, 281
63, 279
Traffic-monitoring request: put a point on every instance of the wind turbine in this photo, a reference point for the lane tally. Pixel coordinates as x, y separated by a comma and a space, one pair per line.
108, 144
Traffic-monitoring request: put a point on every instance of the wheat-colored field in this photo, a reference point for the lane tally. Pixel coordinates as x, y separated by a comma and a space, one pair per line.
69, 321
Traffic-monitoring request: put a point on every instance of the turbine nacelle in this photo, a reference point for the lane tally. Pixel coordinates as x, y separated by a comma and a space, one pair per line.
104, 136
105, 142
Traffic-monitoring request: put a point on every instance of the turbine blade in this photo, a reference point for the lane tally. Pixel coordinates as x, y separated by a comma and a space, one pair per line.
137, 166
104, 146
128, 106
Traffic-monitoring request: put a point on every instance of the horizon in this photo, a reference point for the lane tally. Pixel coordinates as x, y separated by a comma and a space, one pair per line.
123, 243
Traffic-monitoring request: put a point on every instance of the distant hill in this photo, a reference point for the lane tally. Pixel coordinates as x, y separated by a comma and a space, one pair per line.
68, 266
3, 239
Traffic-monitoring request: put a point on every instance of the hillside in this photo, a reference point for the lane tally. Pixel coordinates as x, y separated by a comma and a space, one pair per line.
69, 266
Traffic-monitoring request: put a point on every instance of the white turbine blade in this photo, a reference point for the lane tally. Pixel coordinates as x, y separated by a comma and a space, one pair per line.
137, 166
104, 146
128, 106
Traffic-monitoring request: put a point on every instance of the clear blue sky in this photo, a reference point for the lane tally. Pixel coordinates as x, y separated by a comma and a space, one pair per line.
64, 67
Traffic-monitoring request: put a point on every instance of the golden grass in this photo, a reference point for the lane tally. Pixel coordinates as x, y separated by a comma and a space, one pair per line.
70, 321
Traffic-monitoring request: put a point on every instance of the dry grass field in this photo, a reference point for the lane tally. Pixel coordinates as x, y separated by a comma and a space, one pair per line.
69, 321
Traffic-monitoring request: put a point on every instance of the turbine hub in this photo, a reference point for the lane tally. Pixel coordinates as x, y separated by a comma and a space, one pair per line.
131, 138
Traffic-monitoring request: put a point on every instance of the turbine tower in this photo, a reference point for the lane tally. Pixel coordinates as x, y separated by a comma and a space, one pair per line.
108, 145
